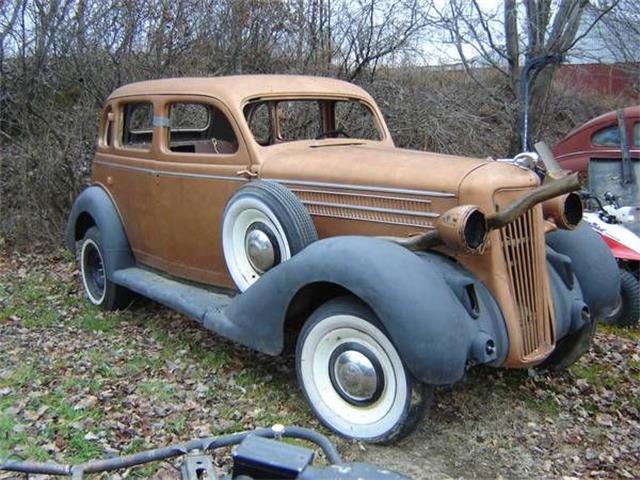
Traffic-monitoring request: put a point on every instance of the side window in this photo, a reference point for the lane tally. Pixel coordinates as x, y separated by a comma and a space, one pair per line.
606, 137
356, 120
137, 124
200, 128
259, 121
636, 134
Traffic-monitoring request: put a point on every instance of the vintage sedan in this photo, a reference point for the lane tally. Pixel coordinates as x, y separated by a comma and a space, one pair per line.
599, 139
606, 150
277, 207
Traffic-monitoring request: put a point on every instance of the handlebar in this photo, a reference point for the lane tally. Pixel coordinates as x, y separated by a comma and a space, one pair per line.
603, 213
165, 453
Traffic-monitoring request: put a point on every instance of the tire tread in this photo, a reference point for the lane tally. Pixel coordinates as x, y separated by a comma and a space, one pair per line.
630, 291
288, 200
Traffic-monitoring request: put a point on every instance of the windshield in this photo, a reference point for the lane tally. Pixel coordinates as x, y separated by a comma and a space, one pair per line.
287, 120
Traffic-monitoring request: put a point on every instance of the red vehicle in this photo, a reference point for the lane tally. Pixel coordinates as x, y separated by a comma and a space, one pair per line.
597, 149
606, 150
599, 139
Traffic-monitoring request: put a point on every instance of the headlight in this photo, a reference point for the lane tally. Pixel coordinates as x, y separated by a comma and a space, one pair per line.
565, 210
463, 228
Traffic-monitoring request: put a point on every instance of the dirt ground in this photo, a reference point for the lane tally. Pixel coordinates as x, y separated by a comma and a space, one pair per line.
76, 384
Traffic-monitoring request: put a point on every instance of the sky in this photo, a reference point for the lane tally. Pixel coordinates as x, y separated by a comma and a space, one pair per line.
591, 49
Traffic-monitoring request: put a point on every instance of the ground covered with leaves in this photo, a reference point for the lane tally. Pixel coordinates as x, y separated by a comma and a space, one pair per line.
79, 384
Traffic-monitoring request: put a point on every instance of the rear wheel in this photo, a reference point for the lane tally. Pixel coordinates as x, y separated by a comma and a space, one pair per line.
353, 376
98, 289
628, 312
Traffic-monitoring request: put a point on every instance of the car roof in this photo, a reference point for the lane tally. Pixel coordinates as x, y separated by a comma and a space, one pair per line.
237, 88
604, 119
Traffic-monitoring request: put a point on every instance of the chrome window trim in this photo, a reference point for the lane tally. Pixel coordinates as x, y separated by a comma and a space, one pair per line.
346, 186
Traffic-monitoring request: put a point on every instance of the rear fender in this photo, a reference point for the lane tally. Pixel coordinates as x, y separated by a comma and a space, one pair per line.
94, 207
422, 301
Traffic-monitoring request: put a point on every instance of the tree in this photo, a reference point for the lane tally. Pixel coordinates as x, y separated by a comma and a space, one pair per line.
504, 38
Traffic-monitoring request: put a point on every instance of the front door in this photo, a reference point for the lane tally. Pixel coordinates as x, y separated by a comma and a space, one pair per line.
202, 158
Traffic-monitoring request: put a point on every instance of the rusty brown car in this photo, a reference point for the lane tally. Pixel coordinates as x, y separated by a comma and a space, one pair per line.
270, 208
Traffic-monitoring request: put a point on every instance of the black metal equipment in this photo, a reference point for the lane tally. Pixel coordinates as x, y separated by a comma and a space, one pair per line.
260, 455
626, 166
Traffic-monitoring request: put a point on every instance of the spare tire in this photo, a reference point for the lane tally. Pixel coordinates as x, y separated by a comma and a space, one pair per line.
263, 225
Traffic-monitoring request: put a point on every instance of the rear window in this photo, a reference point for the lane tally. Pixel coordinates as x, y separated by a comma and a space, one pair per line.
606, 137
636, 134
137, 121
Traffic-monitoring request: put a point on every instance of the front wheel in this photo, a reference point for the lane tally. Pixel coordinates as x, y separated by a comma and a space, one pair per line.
628, 312
353, 377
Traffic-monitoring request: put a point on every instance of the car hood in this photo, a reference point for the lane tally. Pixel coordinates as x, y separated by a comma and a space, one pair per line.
366, 164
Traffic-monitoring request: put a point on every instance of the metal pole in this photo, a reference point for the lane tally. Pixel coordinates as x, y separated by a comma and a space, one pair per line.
531, 67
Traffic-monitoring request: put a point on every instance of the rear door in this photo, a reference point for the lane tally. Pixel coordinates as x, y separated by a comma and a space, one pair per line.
125, 166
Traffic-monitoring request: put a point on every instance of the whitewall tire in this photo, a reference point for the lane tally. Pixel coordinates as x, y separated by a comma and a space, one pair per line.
353, 376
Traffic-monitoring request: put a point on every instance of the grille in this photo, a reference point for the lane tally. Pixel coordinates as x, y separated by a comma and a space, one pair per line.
371, 208
523, 245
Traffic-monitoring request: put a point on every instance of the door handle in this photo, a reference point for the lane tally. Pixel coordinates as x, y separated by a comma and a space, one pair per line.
247, 173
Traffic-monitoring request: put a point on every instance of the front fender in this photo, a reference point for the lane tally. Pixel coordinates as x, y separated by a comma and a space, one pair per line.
94, 205
419, 298
593, 265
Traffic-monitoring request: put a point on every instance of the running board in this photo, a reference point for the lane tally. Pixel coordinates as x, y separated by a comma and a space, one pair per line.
199, 304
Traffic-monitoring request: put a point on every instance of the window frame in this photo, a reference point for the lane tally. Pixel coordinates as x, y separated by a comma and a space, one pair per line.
239, 157
105, 135
379, 122
119, 110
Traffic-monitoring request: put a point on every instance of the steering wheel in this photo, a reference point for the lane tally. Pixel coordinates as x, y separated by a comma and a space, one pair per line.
333, 134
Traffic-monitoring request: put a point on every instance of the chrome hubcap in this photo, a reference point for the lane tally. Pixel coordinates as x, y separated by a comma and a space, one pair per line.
356, 374
261, 247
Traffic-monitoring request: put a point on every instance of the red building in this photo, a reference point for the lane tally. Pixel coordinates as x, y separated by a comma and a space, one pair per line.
607, 79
